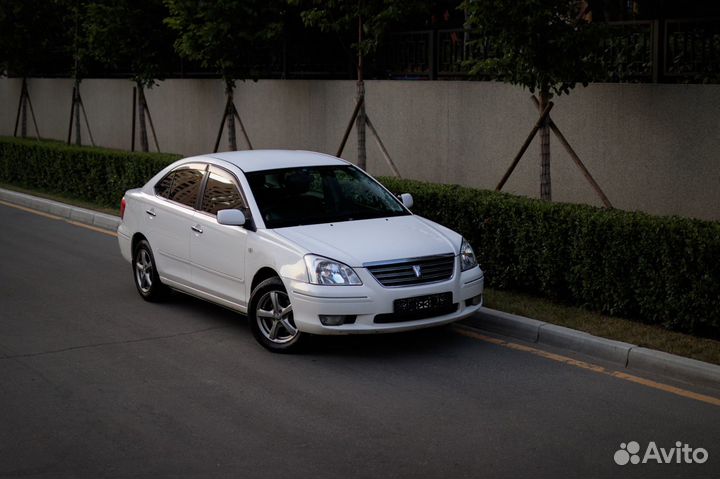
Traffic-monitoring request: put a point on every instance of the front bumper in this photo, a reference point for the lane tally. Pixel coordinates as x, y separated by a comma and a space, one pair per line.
371, 299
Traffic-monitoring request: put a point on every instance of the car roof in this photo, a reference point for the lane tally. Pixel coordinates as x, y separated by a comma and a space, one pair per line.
257, 160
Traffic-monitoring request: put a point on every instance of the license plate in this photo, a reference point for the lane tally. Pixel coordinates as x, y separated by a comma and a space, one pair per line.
428, 303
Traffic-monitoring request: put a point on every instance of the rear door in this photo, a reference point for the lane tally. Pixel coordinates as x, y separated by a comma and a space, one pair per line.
168, 219
217, 251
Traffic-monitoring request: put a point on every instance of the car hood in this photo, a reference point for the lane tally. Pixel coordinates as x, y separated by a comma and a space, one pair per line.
380, 239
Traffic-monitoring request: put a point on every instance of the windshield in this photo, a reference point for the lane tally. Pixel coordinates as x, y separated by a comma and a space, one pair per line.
320, 194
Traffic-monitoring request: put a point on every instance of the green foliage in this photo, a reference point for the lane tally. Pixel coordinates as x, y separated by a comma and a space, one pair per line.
342, 16
658, 270
97, 175
539, 44
222, 34
30, 33
126, 33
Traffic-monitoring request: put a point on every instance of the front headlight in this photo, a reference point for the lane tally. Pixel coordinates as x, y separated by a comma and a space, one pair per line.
467, 256
325, 271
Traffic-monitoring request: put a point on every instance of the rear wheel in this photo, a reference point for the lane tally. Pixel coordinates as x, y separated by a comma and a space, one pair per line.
145, 273
271, 317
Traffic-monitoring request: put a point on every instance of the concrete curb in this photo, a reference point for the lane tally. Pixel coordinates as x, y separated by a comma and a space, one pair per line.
73, 213
622, 354
614, 351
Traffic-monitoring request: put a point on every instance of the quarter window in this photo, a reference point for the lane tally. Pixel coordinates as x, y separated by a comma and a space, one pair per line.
164, 185
221, 193
186, 185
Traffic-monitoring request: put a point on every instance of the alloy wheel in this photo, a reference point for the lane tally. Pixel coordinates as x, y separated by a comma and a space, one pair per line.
143, 271
274, 317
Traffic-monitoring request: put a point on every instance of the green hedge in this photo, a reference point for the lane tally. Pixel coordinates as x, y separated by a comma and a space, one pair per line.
659, 270
97, 175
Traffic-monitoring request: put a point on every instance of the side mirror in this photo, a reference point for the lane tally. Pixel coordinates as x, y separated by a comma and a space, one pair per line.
231, 217
407, 200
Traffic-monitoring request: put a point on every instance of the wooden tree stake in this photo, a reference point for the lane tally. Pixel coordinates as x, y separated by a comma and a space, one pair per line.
134, 113
87, 123
358, 104
19, 108
25, 100
242, 126
382, 146
72, 114
525, 145
152, 126
222, 125
575, 158
32, 114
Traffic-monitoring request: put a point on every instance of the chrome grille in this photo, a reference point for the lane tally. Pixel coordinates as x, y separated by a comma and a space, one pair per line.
412, 271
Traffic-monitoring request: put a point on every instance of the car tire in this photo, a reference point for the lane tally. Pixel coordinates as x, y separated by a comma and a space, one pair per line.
145, 274
271, 318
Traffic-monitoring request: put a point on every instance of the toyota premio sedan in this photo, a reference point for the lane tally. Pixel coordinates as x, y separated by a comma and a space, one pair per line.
303, 243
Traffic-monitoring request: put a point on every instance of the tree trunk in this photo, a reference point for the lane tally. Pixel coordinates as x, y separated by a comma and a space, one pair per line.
78, 136
360, 120
545, 186
230, 117
141, 118
360, 128
23, 120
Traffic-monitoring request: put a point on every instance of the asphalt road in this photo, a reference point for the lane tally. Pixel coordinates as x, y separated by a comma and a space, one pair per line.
96, 382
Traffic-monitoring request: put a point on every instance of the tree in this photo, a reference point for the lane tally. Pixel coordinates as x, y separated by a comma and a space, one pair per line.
542, 45
126, 34
222, 35
75, 14
30, 33
370, 19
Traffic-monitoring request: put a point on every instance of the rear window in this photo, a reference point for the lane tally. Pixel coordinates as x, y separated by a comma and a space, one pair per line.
185, 186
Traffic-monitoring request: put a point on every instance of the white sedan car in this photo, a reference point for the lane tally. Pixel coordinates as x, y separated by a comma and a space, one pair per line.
303, 243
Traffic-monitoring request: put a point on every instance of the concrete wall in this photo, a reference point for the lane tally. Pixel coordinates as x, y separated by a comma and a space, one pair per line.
654, 148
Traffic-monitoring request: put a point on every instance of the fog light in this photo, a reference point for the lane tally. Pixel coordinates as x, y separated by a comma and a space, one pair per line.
336, 319
474, 301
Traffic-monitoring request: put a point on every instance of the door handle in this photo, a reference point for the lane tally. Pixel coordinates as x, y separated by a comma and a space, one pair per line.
197, 229
151, 212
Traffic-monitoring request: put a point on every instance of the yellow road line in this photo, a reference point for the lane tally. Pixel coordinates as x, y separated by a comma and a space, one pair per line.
55, 217
470, 333
93, 228
30, 210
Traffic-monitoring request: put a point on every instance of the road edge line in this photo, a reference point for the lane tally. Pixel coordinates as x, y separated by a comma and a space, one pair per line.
625, 355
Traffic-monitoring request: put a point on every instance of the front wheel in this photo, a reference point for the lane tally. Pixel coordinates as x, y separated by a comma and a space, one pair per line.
271, 317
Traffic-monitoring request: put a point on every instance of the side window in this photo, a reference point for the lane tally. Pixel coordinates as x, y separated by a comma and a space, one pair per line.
221, 193
186, 185
164, 185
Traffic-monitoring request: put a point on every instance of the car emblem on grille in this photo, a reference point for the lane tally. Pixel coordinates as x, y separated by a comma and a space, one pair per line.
417, 270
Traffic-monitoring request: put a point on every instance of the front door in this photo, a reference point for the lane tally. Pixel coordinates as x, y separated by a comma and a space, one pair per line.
217, 251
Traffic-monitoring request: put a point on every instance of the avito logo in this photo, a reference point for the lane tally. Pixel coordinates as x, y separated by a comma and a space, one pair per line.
680, 454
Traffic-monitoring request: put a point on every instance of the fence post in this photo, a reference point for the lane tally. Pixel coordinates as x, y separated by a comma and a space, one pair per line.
433, 53
659, 39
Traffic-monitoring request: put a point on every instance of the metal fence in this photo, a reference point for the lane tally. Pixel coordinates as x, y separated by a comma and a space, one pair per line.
673, 51
636, 51
692, 49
